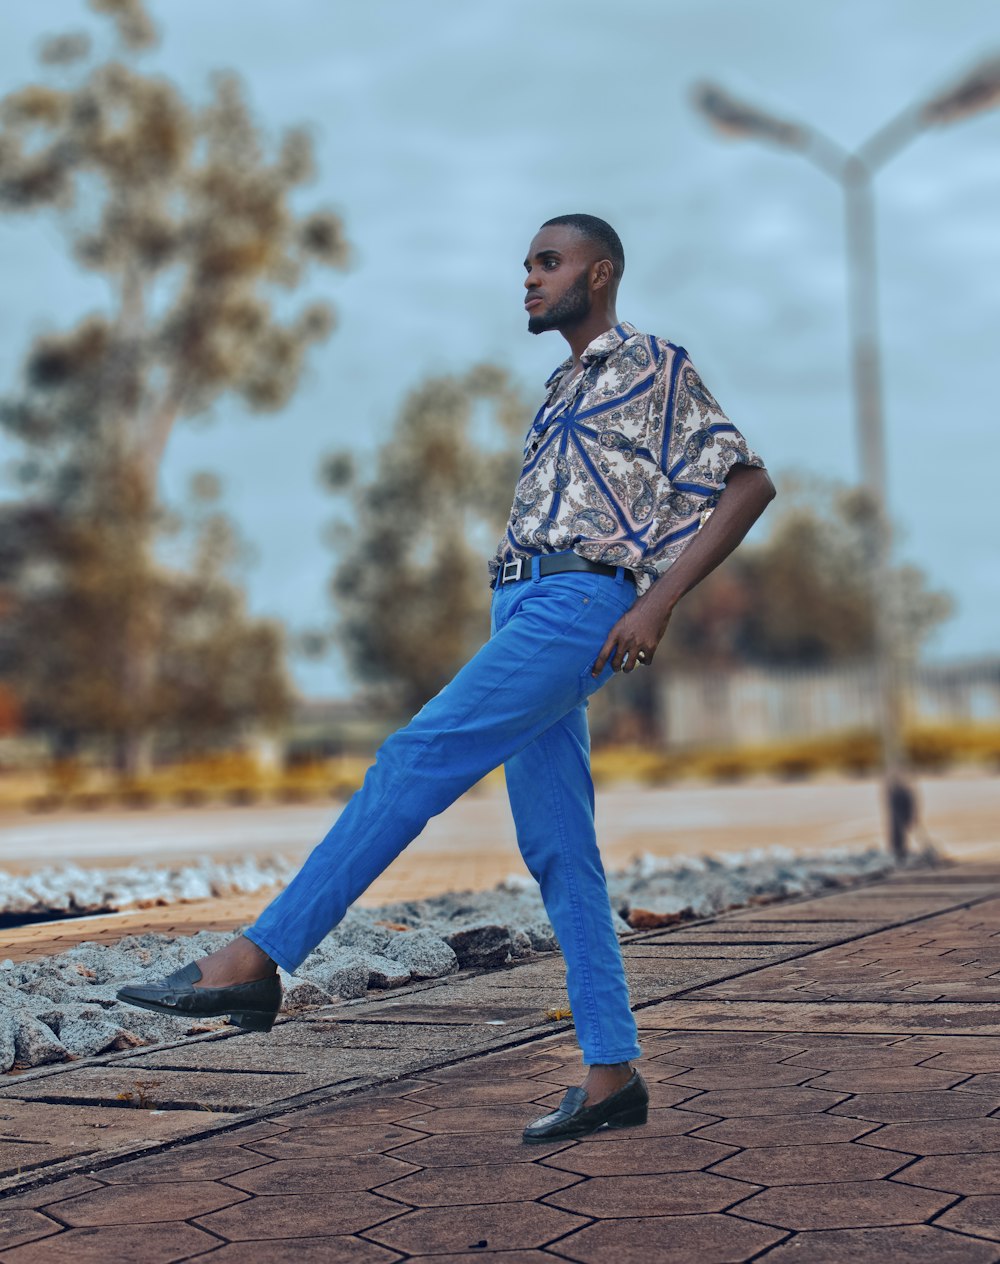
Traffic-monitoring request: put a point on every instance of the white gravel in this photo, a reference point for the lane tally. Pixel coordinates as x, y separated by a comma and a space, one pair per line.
64, 1006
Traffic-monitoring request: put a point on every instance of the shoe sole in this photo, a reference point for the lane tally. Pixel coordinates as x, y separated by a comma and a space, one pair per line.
249, 1020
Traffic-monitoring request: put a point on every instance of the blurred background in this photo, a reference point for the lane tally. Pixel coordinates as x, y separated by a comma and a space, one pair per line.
263, 360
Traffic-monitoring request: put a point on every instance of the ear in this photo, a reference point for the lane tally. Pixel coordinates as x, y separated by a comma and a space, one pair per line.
602, 274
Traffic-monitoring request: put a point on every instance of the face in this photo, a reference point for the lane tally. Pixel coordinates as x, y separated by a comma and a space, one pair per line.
558, 279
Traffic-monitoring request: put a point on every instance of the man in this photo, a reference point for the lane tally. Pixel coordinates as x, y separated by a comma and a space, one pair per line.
605, 535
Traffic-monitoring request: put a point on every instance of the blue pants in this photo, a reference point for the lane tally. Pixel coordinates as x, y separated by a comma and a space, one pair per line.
520, 701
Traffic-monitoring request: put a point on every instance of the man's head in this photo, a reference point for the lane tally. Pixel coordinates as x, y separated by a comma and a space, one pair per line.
574, 265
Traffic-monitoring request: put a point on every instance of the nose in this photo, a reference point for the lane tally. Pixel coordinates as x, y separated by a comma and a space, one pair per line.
531, 282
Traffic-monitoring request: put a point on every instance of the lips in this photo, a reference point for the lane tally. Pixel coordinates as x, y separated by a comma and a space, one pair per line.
532, 301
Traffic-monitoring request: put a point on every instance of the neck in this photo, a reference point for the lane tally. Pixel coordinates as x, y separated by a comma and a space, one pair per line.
582, 335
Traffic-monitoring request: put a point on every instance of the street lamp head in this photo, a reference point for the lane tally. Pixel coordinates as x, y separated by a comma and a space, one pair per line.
976, 91
736, 119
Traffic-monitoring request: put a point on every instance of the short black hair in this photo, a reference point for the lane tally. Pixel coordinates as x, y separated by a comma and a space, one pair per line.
598, 231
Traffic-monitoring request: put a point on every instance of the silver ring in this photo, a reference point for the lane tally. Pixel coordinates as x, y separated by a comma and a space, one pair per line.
641, 656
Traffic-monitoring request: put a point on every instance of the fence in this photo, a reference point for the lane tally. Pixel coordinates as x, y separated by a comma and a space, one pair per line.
749, 706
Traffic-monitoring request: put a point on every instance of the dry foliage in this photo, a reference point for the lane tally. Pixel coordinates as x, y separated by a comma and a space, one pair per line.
190, 215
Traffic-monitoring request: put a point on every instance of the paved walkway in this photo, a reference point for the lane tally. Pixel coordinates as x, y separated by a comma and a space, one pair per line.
825, 1080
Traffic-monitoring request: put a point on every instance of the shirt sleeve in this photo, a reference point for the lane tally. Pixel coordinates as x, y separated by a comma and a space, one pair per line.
702, 444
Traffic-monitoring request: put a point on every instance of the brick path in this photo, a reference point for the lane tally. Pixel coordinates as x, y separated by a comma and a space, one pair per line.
825, 1082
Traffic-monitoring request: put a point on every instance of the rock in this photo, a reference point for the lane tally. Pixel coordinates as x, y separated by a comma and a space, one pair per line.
542, 937
303, 993
84, 1037
103, 994
146, 1025
355, 933
345, 977
646, 919
384, 972
423, 953
520, 943
34, 1043
484, 947
7, 1041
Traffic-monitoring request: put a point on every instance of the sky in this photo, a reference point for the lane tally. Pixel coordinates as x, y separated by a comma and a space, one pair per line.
446, 132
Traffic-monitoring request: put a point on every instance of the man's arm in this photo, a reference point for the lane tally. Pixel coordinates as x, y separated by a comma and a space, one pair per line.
746, 495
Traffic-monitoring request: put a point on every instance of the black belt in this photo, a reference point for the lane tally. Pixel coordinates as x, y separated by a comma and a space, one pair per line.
519, 568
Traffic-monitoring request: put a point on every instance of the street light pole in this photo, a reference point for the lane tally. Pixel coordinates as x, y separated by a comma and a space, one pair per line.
976, 91
899, 802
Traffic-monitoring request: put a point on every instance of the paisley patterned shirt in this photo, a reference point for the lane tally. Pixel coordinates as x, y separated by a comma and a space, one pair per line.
622, 462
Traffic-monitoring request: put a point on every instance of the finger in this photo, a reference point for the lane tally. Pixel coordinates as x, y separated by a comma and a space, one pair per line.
602, 658
619, 658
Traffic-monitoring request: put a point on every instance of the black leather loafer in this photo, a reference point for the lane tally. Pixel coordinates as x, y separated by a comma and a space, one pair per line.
251, 1005
624, 1109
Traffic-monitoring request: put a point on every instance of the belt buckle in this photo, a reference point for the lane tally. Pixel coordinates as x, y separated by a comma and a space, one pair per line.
506, 575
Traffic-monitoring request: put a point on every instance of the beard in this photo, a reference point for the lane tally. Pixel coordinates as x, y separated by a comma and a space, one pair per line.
571, 309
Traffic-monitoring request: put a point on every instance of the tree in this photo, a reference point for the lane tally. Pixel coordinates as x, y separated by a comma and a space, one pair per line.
411, 585
71, 581
800, 597
187, 213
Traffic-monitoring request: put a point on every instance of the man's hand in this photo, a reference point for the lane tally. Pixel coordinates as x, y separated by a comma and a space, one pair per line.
638, 631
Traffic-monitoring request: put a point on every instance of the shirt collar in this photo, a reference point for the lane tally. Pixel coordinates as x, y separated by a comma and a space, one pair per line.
601, 347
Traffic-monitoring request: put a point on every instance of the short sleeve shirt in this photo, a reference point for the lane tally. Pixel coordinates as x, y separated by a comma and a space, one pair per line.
623, 460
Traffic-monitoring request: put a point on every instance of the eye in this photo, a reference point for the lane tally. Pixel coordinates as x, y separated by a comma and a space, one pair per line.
549, 264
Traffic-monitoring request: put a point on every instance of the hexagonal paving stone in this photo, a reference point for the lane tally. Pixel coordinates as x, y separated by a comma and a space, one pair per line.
716, 1055
333, 1250
465, 1149
843, 1205
507, 1117
766, 1101
938, 1136
786, 1130
955, 1173
146, 1204
200, 1161
954, 1060
988, 1082
21, 1224
354, 1110
303, 1143
484, 1093
161, 1244
685, 1192
760, 1075
322, 1175
893, 1107
885, 1080
490, 1226
482, 1183
808, 1164
709, 1239
285, 1215
669, 1122
472, 1257
880, 1057
916, 1244
604, 1157
52, 1193
979, 1214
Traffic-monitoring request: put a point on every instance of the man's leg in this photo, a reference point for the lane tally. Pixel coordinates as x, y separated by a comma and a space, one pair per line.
526, 678
552, 800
